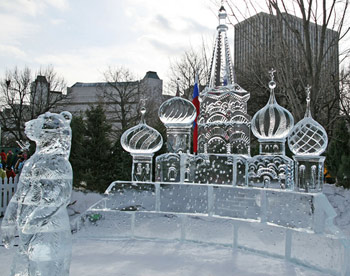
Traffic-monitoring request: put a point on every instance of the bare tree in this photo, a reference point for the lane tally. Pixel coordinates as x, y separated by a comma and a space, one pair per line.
184, 70
302, 47
24, 99
121, 95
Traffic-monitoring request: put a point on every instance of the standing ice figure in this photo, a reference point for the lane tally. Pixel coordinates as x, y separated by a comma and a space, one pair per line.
308, 140
38, 208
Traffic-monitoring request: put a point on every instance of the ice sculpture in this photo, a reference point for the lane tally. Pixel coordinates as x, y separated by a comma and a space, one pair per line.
223, 122
178, 115
271, 125
206, 198
142, 141
307, 140
38, 208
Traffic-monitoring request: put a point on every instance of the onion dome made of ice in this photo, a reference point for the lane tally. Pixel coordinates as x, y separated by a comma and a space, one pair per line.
177, 112
141, 139
272, 122
308, 137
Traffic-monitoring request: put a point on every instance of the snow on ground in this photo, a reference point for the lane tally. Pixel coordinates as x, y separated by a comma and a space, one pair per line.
340, 200
155, 258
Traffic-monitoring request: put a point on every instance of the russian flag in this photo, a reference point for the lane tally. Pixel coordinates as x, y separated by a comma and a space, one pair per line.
195, 102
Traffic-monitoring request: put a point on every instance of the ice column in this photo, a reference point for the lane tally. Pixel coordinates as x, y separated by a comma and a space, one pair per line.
307, 140
142, 141
178, 115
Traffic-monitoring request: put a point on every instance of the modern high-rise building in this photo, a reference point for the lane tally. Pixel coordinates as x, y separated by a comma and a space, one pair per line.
264, 41
266, 37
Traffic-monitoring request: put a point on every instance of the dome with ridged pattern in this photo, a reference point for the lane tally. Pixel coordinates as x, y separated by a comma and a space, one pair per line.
272, 122
177, 111
141, 139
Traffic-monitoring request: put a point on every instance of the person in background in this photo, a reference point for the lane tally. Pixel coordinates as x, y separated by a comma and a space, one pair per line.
9, 159
10, 174
15, 157
2, 174
19, 165
3, 158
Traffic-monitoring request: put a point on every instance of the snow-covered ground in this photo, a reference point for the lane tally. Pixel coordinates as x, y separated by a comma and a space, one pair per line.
340, 200
153, 258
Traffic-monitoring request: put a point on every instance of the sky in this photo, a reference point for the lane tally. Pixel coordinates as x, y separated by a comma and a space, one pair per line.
82, 38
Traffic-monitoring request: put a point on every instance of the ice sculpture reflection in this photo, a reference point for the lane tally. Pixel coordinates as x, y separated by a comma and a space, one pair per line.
38, 208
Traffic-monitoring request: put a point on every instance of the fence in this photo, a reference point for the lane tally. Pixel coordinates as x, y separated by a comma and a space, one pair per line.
8, 189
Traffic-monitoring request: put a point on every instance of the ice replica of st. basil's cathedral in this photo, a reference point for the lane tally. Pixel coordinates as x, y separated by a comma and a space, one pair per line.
224, 136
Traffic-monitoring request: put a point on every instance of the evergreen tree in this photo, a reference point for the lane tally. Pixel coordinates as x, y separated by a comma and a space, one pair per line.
77, 154
97, 148
121, 162
338, 153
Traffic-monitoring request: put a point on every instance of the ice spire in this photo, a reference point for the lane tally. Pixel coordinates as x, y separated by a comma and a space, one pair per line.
221, 68
308, 110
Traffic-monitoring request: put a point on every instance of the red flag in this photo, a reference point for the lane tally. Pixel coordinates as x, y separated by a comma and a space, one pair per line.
195, 102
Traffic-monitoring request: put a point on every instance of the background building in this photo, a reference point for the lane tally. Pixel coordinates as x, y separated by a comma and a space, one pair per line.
121, 100
265, 40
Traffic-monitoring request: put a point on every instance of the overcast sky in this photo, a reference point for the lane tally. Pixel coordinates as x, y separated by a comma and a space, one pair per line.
81, 38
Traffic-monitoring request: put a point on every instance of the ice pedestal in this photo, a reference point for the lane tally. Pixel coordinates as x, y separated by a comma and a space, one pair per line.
309, 173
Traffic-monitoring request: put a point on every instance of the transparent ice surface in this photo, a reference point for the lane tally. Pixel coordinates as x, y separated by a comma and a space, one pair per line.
237, 203
38, 208
308, 137
177, 112
272, 122
141, 139
271, 222
272, 171
223, 122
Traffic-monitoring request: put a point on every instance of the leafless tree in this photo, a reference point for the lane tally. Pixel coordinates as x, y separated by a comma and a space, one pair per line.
21, 101
303, 52
183, 70
121, 95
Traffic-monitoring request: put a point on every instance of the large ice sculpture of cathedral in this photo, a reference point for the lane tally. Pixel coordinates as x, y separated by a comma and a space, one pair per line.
268, 203
224, 136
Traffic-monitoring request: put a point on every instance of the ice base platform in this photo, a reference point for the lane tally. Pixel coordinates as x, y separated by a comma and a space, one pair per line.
297, 227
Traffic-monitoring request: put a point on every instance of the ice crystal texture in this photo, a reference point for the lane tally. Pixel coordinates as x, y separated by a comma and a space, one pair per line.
38, 208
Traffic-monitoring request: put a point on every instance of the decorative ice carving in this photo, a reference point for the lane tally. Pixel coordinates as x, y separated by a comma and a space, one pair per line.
142, 141
308, 137
271, 125
272, 122
178, 115
177, 112
38, 208
307, 140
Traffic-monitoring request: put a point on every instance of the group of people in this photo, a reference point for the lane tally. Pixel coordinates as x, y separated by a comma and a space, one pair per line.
11, 164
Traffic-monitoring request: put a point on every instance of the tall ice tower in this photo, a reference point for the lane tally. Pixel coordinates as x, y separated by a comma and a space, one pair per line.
223, 122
